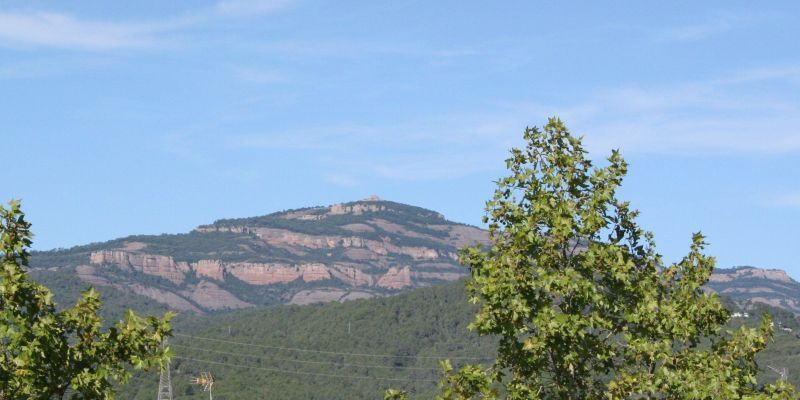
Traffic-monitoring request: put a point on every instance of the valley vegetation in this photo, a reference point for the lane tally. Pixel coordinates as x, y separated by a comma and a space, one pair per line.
285, 351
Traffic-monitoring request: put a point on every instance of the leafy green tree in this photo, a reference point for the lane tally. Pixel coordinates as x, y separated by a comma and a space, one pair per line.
46, 353
581, 302
394, 394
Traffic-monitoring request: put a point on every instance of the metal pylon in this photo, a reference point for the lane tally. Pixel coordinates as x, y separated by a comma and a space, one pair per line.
165, 381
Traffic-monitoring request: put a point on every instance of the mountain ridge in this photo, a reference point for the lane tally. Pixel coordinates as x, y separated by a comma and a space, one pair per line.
340, 252
360, 249
748, 285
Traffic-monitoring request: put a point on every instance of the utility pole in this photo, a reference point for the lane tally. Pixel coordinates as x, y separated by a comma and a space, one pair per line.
165, 381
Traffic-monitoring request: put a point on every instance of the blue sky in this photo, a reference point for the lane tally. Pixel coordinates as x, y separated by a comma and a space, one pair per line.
152, 116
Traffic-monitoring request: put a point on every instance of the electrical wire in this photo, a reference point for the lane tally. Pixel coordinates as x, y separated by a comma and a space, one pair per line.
440, 357
334, 363
278, 370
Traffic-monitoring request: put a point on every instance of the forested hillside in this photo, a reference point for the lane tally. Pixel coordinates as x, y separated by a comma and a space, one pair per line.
66, 288
353, 350
357, 349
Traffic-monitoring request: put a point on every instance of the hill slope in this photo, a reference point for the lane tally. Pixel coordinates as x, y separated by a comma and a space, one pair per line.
352, 350
357, 349
748, 286
341, 252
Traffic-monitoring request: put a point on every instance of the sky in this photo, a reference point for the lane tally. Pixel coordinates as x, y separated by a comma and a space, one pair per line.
148, 117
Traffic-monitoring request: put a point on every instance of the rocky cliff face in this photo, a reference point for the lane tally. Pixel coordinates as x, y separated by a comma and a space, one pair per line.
344, 251
257, 273
151, 264
284, 238
396, 278
748, 285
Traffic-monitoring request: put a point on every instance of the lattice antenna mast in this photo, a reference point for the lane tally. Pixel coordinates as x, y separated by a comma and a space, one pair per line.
165, 381
206, 380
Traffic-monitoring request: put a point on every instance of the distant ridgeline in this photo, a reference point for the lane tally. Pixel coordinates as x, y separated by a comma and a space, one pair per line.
341, 252
748, 286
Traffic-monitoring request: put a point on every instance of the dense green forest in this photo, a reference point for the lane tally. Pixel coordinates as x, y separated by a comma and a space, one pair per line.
351, 350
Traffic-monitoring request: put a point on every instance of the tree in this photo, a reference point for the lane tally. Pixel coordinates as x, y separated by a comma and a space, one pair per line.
581, 302
46, 353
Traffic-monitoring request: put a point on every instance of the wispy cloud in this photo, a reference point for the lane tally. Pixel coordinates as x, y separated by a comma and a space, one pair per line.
340, 179
50, 65
260, 76
247, 8
782, 74
714, 25
297, 140
749, 112
786, 200
435, 148
66, 31
23, 29
359, 48
441, 166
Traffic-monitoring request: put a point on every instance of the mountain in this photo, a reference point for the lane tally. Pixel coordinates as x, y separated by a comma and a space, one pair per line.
361, 249
748, 286
347, 251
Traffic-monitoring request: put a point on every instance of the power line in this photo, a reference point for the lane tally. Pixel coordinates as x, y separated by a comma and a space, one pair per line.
307, 361
439, 357
283, 371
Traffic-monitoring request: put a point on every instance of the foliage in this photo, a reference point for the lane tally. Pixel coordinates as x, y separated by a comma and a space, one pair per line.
45, 353
423, 322
413, 329
578, 295
394, 394
399, 213
189, 247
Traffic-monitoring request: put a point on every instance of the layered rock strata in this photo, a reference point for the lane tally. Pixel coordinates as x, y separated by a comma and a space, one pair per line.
260, 273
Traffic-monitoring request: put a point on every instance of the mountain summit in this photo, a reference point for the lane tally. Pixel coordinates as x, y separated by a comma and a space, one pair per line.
750, 285
361, 249
344, 251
